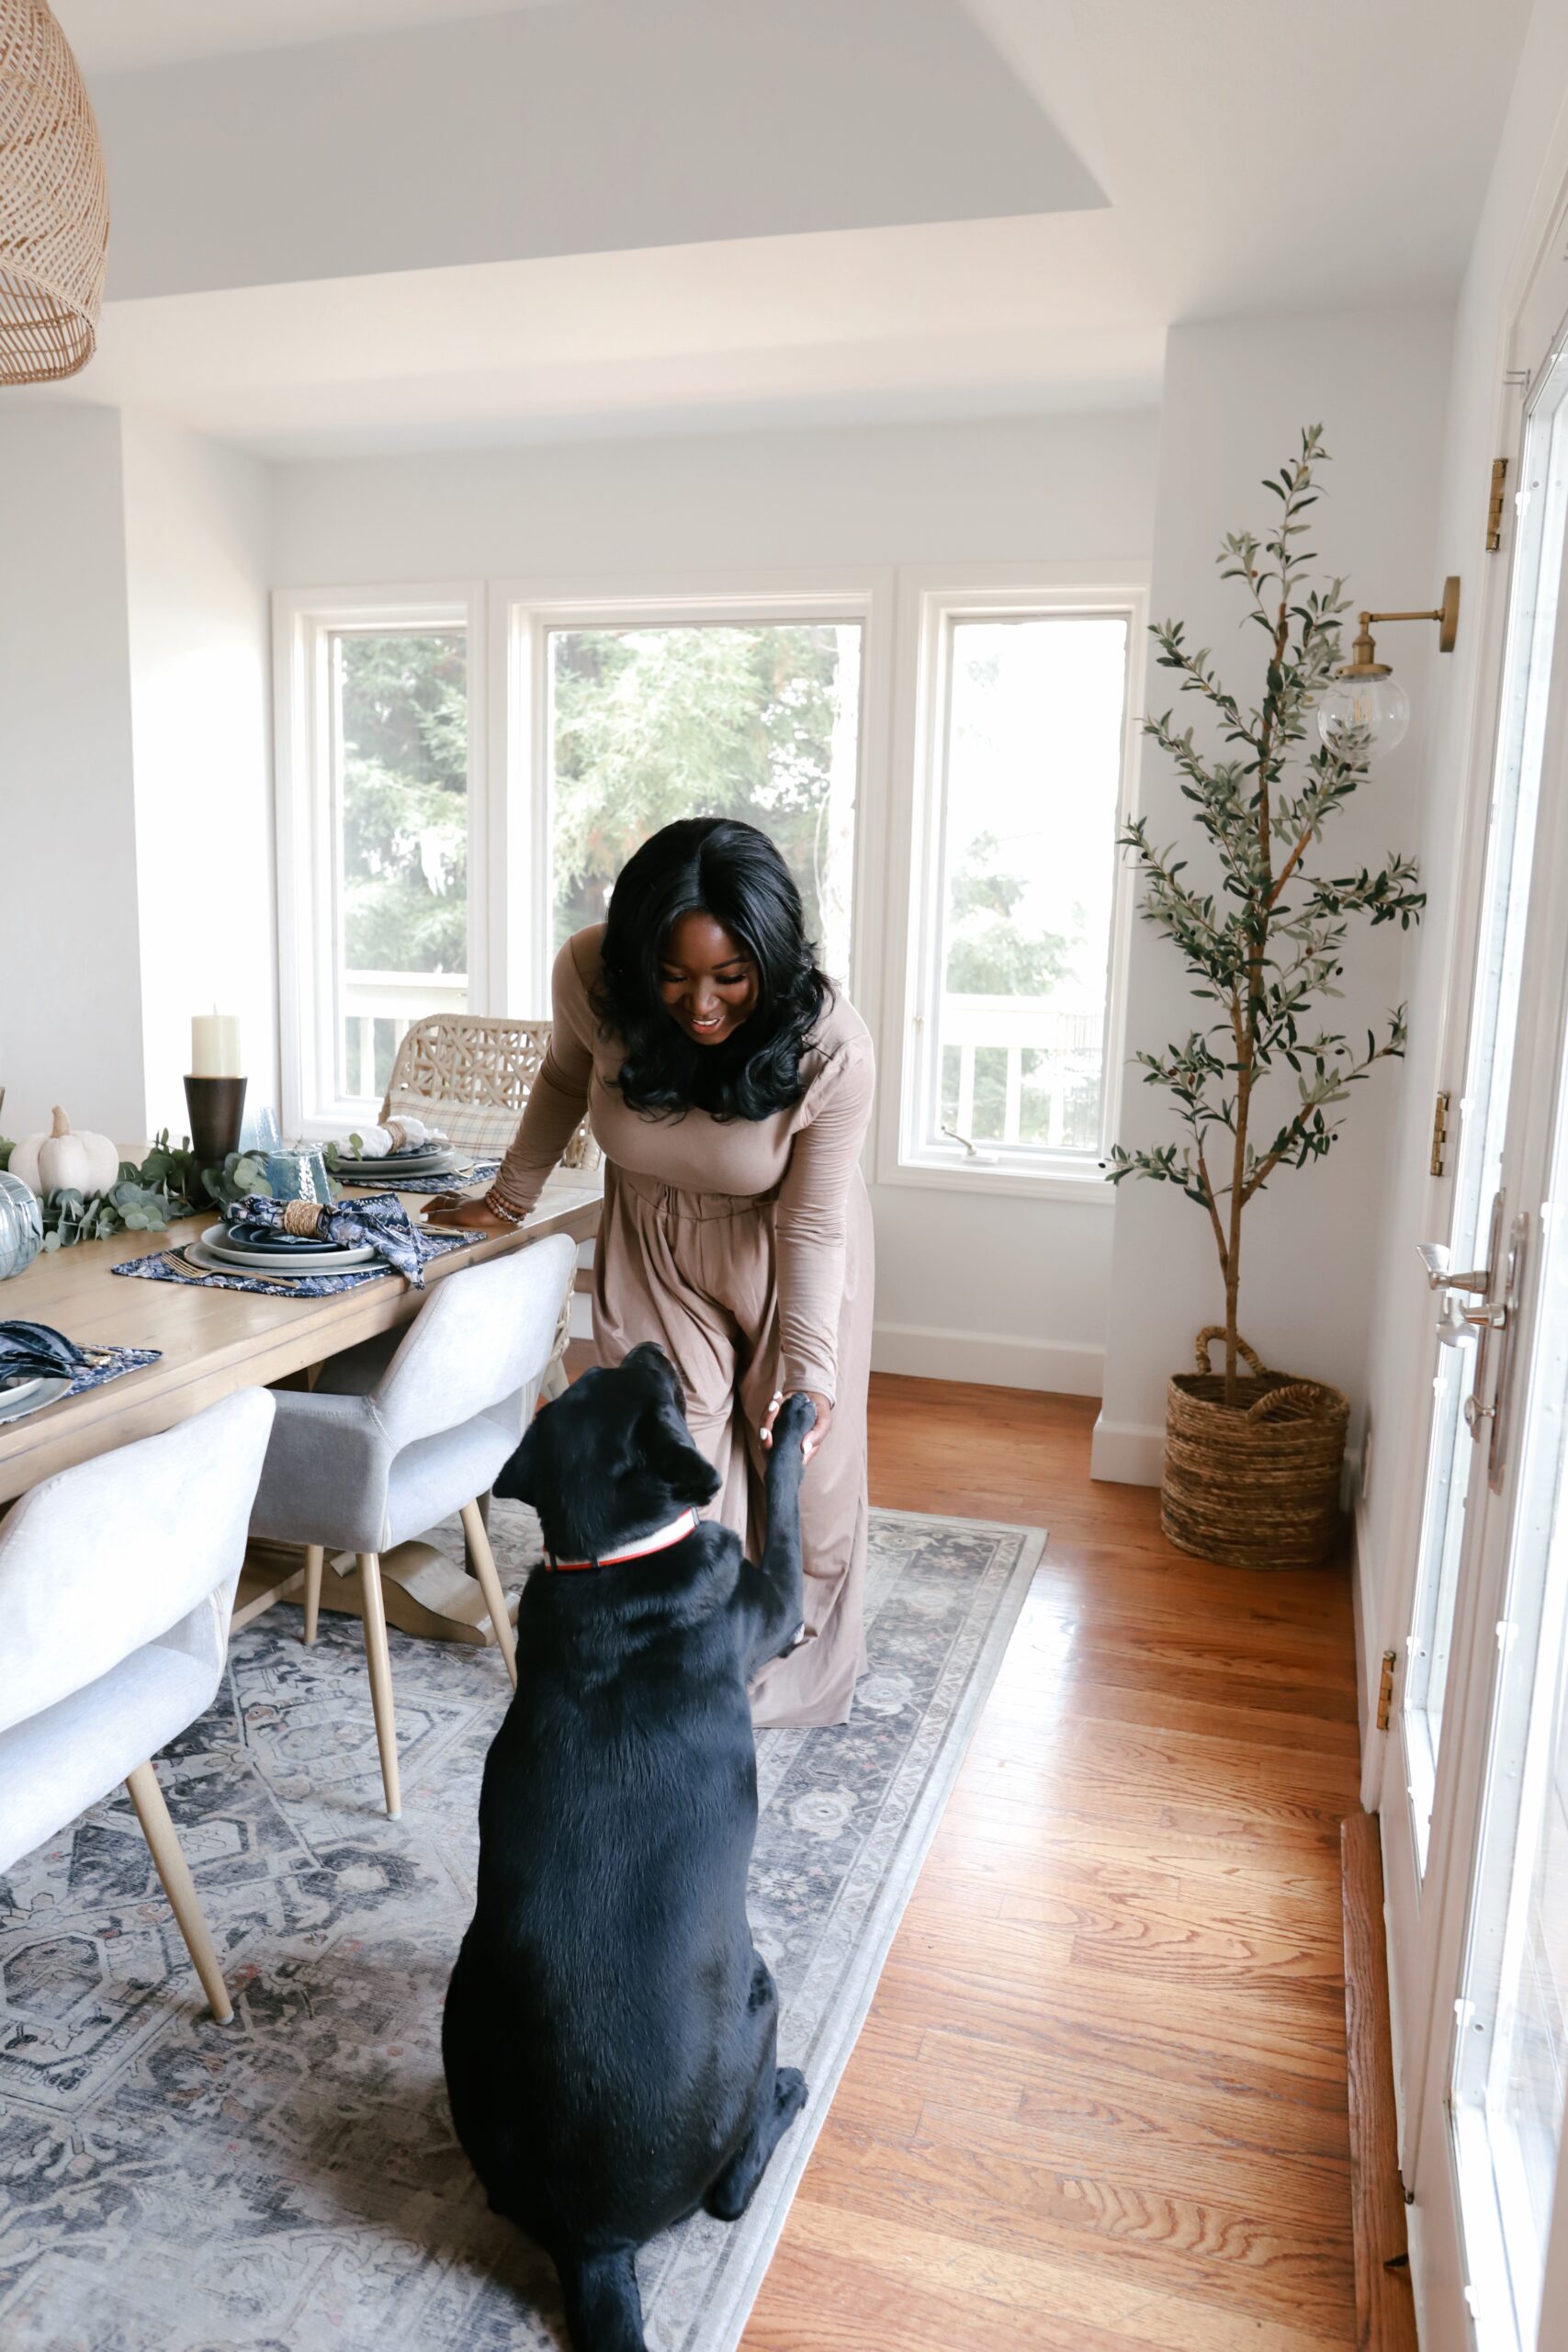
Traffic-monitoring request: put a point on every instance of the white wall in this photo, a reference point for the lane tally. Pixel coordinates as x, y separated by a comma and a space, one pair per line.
1003, 1289
70, 1020
197, 528
1236, 395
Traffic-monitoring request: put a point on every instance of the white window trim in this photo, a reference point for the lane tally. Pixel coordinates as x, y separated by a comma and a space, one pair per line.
928, 597
303, 618
523, 612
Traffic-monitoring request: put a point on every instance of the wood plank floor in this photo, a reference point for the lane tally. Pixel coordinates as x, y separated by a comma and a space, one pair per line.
1100, 2103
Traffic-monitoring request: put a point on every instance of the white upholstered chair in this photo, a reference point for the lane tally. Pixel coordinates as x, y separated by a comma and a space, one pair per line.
117, 1580
402, 1432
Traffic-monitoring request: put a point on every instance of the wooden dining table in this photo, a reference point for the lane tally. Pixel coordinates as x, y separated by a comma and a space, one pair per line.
212, 1341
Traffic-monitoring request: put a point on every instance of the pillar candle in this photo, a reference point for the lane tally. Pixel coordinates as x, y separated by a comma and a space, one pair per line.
215, 1045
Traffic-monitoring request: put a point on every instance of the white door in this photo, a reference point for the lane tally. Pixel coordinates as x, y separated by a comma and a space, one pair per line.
1476, 1840
1533, 713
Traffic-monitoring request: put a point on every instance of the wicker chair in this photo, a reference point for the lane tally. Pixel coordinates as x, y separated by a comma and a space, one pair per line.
480, 1072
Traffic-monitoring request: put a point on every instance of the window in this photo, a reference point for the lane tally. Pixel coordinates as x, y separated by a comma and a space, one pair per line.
376, 808
757, 721
400, 721
1016, 904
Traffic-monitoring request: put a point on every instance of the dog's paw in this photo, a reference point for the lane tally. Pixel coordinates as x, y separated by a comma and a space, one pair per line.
797, 1414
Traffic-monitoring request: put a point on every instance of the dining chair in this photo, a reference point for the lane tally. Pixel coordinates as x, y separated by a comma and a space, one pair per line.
117, 1581
479, 1070
404, 1430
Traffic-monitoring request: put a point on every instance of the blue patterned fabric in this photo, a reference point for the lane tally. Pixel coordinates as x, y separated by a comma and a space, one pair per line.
483, 1171
116, 1362
168, 1266
381, 1220
111, 1363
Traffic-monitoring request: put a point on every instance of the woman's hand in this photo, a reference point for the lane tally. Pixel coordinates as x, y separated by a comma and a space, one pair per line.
470, 1213
813, 1435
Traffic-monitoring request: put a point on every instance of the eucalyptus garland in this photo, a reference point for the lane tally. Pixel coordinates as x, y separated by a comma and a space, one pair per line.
170, 1182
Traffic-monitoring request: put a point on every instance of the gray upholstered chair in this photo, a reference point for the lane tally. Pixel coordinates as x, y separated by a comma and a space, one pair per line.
402, 1432
117, 1581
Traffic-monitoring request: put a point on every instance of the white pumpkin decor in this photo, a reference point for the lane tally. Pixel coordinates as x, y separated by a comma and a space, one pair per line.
67, 1159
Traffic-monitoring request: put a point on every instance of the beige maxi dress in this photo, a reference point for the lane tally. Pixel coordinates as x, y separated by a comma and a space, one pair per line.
744, 1248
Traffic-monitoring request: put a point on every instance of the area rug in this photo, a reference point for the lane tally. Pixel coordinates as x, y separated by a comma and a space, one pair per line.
292, 2181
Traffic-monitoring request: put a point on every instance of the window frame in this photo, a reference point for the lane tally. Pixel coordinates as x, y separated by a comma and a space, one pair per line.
930, 598
304, 621
524, 613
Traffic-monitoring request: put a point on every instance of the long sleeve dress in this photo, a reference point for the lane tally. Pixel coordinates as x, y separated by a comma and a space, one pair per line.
744, 1248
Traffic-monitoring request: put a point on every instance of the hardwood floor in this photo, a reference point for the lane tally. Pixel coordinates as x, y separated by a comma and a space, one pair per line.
1100, 2103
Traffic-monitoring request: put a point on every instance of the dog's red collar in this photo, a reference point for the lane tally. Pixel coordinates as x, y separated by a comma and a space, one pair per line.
676, 1533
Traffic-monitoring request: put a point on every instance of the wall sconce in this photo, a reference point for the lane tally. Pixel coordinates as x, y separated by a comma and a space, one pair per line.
1366, 699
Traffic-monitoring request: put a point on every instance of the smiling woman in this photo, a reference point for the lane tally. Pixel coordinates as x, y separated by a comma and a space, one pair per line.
729, 1083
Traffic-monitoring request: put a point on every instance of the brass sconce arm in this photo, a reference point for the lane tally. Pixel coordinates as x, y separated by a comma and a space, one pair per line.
1364, 662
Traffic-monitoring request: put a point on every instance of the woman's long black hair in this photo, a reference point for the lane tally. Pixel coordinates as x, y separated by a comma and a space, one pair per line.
712, 865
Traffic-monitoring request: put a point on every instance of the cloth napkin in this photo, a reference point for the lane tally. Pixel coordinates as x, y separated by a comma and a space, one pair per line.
36, 1349
380, 1220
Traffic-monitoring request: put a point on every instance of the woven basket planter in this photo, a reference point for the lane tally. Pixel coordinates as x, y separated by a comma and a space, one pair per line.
1255, 1484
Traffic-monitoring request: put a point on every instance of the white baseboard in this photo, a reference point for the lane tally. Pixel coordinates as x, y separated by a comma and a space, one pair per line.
991, 1359
1127, 1453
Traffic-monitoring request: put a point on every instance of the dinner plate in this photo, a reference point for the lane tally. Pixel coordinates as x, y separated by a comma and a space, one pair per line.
202, 1261
316, 1257
402, 1167
21, 1384
273, 1239
32, 1397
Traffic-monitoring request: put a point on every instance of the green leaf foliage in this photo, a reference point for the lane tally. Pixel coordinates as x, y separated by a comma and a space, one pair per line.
1268, 943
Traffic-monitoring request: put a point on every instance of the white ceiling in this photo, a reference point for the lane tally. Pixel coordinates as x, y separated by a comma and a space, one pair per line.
1253, 160
112, 36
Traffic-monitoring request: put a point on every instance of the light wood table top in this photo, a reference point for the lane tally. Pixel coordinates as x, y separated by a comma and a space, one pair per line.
213, 1341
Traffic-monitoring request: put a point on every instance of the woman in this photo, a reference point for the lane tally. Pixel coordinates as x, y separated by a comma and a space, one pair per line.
729, 1085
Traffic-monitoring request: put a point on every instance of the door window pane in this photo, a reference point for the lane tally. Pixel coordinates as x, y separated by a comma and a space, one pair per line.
758, 721
1483, 1110
1036, 711
400, 828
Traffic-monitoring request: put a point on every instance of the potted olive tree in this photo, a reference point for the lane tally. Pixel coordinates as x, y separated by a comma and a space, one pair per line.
1253, 1458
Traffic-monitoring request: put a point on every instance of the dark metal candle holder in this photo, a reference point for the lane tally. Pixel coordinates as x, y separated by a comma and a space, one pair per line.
217, 1106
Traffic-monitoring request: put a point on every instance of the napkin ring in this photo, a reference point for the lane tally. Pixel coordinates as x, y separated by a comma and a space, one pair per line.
303, 1217
399, 1133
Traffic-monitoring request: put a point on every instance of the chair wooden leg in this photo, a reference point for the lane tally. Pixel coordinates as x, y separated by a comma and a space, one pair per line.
380, 1660
315, 1557
179, 1886
483, 1559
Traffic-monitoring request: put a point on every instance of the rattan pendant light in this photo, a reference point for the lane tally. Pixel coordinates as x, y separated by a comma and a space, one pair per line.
54, 207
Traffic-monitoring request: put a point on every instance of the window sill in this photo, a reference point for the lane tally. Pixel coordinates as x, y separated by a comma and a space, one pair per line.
1045, 1180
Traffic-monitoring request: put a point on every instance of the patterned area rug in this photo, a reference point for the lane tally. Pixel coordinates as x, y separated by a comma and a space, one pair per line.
292, 2181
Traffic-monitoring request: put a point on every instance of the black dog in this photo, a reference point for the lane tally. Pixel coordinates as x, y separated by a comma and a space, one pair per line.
610, 2028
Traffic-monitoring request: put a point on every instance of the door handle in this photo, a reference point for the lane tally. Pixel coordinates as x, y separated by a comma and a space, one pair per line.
1508, 1313
1435, 1257
1456, 1321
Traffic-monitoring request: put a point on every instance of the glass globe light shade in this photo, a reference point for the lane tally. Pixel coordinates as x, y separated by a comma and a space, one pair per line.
1372, 713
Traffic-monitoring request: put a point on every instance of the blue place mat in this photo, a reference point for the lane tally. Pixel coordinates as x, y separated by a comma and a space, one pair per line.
117, 1362
483, 1172
166, 1266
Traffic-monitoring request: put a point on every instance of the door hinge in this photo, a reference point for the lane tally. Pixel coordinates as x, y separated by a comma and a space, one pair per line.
1385, 1690
1495, 511
1437, 1165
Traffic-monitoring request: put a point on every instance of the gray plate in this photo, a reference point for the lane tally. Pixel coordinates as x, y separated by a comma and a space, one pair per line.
325, 1260
406, 1171
20, 1402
